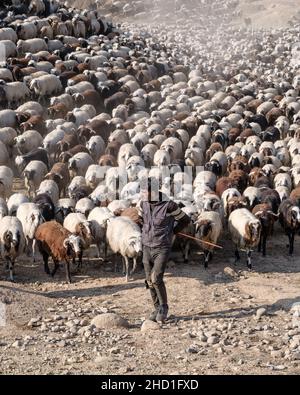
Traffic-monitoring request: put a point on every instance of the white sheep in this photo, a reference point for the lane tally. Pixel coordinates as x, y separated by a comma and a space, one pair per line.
245, 230
34, 173
64, 207
98, 217
4, 155
51, 139
15, 92
96, 146
30, 217
77, 223
32, 45
50, 188
10, 48
79, 164
29, 140
124, 237
3, 208
12, 241
7, 33
8, 118
94, 175
14, 202
76, 182
208, 227
81, 87
32, 108
65, 99
46, 85
84, 206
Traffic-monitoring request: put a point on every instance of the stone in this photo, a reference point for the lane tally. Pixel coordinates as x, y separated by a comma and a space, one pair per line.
192, 349
34, 322
229, 272
260, 312
213, 340
109, 320
149, 325
17, 344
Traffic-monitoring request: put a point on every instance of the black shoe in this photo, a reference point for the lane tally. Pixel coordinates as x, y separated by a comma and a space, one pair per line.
162, 313
152, 316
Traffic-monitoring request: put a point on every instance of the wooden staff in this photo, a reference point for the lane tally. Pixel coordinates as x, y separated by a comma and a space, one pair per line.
199, 240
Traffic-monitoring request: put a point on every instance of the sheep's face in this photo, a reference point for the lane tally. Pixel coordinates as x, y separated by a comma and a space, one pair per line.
73, 245
135, 244
295, 213
254, 231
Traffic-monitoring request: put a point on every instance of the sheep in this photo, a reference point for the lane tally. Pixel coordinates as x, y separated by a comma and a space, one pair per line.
6, 181
3, 208
52, 139
45, 85
84, 206
174, 147
26, 30
77, 224
94, 175
161, 158
96, 147
245, 231
226, 196
79, 164
14, 202
28, 141
81, 87
77, 181
50, 188
7, 33
60, 174
253, 196
64, 207
64, 99
99, 217
46, 206
30, 217
32, 45
39, 154
208, 227
9, 48
12, 241
289, 219
283, 180
56, 241
33, 174
267, 218
13, 92
126, 151
124, 237
32, 108
217, 164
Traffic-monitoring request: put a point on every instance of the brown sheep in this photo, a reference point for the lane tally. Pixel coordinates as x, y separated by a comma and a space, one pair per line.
69, 141
273, 114
233, 134
244, 135
56, 241
254, 174
58, 110
35, 122
289, 218
89, 97
65, 156
215, 147
253, 105
267, 218
295, 196
131, 212
60, 174
224, 183
239, 163
108, 160
240, 178
113, 148
235, 203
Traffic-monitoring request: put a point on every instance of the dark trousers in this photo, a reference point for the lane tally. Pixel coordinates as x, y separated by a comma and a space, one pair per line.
155, 260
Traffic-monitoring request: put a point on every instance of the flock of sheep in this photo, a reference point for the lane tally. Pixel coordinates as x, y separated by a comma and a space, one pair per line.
90, 111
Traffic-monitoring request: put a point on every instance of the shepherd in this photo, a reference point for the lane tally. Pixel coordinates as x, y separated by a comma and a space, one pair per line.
161, 218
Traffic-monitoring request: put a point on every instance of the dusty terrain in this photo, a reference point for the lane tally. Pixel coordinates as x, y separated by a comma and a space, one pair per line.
213, 327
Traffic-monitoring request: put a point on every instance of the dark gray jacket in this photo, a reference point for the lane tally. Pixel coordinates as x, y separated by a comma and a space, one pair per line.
158, 222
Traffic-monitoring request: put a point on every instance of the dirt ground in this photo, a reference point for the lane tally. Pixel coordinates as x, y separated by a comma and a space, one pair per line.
213, 326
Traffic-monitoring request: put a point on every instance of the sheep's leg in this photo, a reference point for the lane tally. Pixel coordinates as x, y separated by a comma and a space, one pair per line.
127, 267
134, 266
291, 240
79, 264
11, 269
68, 276
99, 250
45, 259
259, 244
105, 250
56, 266
186, 252
264, 245
33, 249
249, 264
237, 255
207, 258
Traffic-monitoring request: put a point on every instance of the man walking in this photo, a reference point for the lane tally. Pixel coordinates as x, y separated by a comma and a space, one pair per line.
161, 219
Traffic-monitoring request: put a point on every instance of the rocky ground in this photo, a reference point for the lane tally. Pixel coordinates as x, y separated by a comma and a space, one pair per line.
223, 320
